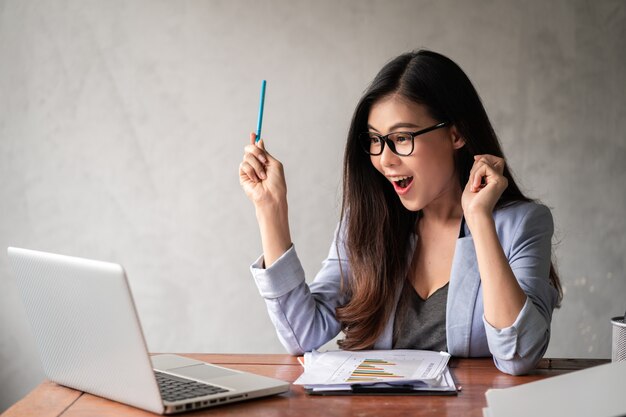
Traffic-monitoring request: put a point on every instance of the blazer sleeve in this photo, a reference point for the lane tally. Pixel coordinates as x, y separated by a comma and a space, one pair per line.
304, 315
518, 348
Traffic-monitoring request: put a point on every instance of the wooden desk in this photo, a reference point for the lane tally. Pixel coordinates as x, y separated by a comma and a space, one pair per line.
474, 375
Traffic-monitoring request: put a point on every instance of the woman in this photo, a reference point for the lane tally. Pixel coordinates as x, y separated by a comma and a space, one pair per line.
437, 248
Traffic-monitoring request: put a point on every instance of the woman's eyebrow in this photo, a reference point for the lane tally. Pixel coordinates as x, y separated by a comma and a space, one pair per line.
396, 126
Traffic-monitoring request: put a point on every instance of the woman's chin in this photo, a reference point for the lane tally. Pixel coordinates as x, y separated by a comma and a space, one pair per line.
411, 204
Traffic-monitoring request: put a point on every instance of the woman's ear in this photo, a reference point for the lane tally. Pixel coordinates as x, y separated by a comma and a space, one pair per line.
457, 140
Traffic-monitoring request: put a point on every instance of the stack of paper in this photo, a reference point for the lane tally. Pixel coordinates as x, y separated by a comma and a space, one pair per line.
377, 372
597, 392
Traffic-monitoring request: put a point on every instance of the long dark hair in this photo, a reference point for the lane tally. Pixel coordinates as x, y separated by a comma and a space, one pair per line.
377, 226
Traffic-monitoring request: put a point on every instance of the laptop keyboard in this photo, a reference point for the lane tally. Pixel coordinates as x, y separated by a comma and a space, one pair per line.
174, 388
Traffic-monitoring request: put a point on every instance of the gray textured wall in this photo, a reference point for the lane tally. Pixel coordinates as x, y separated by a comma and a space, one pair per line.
122, 124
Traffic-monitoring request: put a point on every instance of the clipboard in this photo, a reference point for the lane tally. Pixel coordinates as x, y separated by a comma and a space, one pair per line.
381, 392
388, 389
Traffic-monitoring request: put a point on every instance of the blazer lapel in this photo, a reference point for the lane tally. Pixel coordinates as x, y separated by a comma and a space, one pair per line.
462, 292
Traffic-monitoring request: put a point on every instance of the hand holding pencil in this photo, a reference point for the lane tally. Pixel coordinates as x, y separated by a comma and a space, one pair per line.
261, 175
263, 180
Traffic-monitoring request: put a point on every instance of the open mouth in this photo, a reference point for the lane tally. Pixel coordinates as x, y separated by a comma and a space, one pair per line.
402, 184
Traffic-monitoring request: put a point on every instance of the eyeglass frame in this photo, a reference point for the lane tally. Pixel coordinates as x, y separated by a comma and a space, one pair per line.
386, 141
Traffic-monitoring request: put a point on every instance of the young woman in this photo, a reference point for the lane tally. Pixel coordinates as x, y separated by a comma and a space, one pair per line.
436, 248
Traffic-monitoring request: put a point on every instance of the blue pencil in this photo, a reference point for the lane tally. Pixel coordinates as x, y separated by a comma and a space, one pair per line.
261, 103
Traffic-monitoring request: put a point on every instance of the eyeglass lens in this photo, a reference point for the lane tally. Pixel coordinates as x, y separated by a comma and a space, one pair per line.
400, 143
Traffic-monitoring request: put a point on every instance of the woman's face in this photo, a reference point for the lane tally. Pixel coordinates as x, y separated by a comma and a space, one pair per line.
428, 174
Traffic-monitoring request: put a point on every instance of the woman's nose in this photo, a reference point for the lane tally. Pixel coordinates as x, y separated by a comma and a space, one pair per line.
388, 158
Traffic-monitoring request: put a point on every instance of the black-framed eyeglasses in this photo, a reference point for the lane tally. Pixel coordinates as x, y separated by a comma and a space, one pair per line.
400, 143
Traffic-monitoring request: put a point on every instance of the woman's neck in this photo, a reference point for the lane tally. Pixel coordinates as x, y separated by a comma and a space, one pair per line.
444, 209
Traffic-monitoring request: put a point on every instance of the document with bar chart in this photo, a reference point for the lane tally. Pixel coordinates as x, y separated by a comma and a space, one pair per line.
344, 370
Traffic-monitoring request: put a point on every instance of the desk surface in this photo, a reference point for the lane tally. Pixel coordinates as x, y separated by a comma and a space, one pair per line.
474, 375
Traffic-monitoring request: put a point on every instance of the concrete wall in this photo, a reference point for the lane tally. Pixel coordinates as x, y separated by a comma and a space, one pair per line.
122, 124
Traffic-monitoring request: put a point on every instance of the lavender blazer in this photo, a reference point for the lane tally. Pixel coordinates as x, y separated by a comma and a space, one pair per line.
304, 314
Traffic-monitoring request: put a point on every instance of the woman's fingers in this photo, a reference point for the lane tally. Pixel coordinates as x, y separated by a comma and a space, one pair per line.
493, 161
254, 149
485, 185
258, 167
255, 160
247, 171
485, 167
471, 183
261, 145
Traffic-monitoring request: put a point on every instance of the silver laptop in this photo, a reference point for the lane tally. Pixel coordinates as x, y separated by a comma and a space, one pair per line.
90, 339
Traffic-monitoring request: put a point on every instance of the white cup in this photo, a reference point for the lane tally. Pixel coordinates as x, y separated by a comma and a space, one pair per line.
618, 348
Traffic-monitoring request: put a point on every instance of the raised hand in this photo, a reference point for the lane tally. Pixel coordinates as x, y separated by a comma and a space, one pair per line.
262, 176
485, 185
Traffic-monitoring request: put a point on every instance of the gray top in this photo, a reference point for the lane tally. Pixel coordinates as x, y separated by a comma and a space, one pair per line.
421, 324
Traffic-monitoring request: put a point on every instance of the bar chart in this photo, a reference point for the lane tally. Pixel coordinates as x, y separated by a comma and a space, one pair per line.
373, 370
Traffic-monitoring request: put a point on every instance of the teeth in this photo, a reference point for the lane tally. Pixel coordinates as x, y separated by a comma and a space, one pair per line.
402, 182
